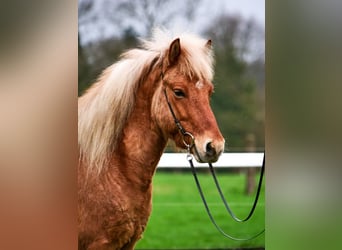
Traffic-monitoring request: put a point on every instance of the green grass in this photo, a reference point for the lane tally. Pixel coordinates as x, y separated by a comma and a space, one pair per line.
179, 219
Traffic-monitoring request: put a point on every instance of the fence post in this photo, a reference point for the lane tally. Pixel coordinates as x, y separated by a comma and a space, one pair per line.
250, 183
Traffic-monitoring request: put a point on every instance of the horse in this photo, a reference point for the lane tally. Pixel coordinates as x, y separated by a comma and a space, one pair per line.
124, 124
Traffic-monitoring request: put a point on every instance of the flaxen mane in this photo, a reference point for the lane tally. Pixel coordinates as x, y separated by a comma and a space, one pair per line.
106, 106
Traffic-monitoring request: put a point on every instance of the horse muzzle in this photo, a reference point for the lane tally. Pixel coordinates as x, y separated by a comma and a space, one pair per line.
208, 150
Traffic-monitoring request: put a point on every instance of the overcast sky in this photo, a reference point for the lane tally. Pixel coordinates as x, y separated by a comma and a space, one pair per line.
247, 8
206, 11
210, 8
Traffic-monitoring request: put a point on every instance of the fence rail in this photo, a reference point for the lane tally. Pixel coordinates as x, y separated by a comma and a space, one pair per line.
236, 160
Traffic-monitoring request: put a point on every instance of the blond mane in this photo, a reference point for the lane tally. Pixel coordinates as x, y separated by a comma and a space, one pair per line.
104, 109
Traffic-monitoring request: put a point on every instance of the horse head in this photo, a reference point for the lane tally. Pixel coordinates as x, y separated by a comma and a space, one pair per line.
184, 96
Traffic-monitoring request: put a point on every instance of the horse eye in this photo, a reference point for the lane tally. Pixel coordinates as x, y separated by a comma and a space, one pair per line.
179, 93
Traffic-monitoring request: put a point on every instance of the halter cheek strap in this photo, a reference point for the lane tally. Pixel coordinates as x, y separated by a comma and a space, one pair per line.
177, 122
181, 129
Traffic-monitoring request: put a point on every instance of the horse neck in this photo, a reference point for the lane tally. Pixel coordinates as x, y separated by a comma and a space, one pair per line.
142, 143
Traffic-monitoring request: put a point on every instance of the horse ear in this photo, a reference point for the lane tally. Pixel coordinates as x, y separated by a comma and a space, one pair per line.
174, 51
208, 44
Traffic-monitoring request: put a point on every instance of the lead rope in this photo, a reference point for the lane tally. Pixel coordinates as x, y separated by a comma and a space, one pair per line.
193, 169
226, 203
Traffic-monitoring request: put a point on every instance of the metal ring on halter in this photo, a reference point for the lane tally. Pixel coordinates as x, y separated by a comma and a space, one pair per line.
192, 143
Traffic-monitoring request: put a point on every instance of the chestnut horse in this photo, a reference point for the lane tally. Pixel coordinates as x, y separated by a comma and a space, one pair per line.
124, 123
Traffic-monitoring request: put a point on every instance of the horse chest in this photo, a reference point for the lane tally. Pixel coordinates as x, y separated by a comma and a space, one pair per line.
115, 217
129, 223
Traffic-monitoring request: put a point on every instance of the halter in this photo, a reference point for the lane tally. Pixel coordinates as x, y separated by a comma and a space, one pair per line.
189, 157
183, 132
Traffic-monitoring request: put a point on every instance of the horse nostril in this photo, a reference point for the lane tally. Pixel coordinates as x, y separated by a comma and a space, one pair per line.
210, 150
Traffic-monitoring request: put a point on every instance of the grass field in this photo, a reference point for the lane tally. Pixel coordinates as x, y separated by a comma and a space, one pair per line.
179, 219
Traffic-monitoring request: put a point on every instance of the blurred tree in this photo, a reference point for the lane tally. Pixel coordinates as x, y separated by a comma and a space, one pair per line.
84, 68
235, 101
131, 19
108, 18
100, 55
144, 15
